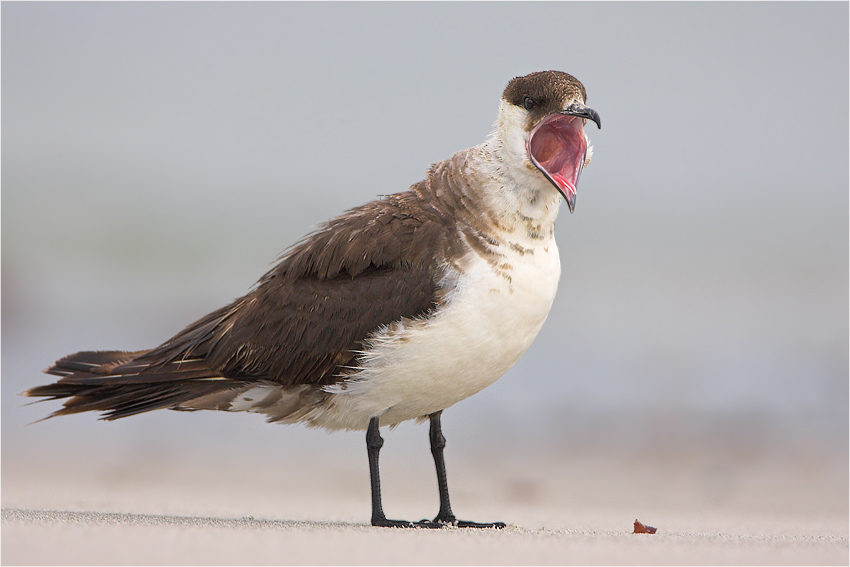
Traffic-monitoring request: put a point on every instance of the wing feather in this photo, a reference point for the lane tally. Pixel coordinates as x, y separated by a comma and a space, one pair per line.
303, 324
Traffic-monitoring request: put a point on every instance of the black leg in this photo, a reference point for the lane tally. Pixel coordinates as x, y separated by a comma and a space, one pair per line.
438, 443
374, 442
446, 516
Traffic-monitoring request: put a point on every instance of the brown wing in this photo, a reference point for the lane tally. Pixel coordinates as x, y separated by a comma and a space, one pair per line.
303, 331
306, 319
303, 323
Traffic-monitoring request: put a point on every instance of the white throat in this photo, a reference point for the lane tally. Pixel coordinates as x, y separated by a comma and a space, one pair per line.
525, 192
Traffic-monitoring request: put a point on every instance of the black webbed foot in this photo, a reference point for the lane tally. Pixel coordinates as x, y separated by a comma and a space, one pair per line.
445, 522
386, 523
436, 523
492, 525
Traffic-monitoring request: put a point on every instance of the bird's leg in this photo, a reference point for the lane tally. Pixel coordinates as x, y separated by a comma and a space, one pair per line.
446, 516
374, 442
438, 443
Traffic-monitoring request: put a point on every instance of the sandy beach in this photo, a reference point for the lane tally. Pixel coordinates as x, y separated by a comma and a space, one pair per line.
187, 511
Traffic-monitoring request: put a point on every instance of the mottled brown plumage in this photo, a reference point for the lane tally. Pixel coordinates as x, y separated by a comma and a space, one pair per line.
306, 324
305, 321
395, 310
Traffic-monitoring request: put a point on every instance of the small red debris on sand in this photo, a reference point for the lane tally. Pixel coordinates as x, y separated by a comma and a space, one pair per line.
641, 529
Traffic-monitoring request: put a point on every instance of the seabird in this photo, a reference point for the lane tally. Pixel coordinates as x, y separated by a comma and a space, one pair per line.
394, 310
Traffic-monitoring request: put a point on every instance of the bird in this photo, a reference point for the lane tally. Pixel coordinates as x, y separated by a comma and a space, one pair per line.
392, 311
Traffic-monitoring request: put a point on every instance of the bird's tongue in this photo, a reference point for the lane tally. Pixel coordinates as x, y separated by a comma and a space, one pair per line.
557, 147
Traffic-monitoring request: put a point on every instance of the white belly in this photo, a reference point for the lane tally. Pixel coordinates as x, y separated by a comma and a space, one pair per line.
490, 320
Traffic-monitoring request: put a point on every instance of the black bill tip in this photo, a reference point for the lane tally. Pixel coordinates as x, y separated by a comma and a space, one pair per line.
582, 111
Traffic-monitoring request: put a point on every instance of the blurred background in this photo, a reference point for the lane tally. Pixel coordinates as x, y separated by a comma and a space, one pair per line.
156, 157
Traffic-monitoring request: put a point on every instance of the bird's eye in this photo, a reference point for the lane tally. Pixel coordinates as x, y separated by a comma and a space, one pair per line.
528, 103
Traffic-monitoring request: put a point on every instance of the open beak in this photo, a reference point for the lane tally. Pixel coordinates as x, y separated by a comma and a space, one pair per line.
580, 110
557, 146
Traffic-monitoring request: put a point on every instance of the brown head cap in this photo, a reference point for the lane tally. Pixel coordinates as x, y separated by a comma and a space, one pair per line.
543, 92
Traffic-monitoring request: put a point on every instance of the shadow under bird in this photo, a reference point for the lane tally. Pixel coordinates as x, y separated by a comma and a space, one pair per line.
395, 310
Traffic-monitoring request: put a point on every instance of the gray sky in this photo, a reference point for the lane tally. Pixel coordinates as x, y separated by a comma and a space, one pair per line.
157, 156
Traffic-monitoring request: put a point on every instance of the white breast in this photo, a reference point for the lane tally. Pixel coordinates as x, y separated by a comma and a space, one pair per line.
490, 320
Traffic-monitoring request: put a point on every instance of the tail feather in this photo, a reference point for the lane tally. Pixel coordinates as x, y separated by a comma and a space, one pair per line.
117, 384
95, 362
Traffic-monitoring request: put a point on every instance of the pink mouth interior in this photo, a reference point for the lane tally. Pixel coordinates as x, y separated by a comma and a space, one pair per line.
557, 147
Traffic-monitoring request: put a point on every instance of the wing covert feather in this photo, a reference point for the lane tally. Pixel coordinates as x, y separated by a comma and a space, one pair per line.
305, 320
